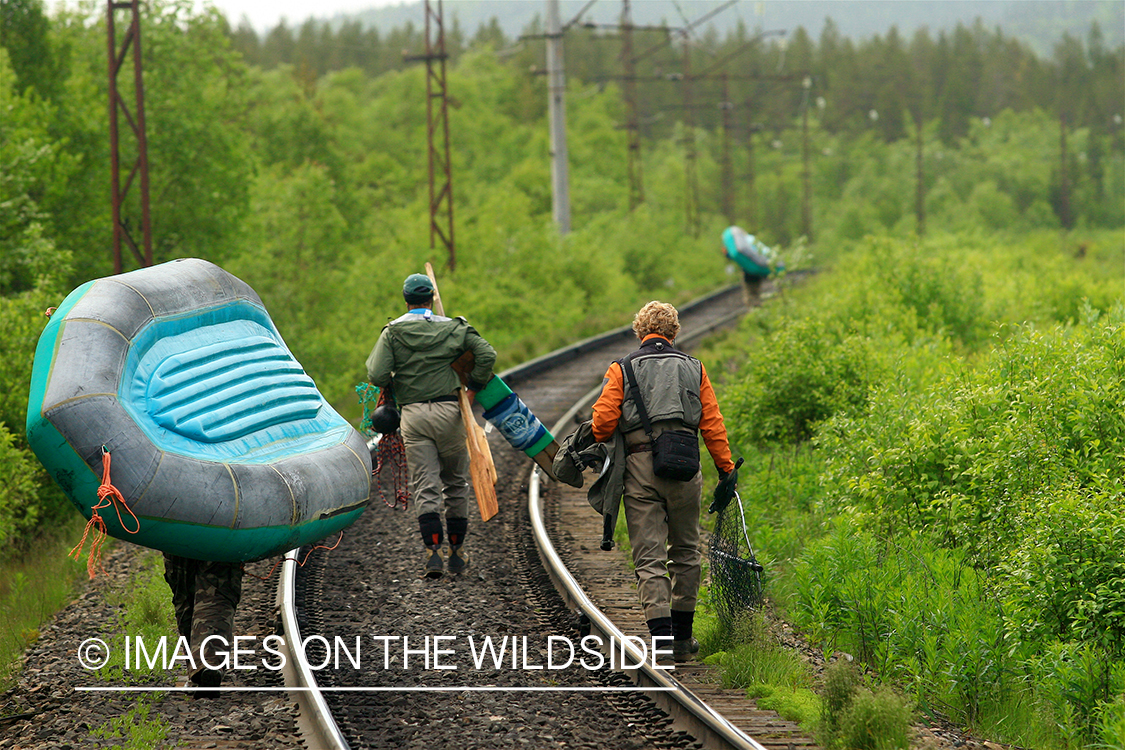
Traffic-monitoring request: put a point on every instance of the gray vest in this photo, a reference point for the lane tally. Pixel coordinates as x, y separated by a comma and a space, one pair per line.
668, 381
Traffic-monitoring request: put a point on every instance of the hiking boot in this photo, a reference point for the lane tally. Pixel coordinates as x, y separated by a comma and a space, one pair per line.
209, 679
684, 650
435, 566
458, 561
663, 657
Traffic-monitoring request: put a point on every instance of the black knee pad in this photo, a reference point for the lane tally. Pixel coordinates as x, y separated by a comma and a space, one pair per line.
430, 526
458, 529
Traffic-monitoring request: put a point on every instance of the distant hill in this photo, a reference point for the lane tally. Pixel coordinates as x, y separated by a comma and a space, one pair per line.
1038, 23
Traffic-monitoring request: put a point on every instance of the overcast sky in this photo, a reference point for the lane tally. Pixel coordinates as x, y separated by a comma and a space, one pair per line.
265, 14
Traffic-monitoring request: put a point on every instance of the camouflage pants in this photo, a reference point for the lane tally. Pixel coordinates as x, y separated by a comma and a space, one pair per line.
205, 595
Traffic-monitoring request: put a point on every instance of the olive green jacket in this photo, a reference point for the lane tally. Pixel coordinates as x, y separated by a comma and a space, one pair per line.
415, 351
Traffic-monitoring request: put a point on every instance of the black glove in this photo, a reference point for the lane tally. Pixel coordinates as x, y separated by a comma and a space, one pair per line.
724, 490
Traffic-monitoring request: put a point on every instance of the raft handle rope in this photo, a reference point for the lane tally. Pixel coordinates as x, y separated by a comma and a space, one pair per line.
108, 496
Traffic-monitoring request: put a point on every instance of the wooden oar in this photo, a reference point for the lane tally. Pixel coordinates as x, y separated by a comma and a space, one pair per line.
481, 466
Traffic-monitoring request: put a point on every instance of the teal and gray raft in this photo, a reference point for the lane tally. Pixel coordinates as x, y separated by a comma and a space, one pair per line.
221, 445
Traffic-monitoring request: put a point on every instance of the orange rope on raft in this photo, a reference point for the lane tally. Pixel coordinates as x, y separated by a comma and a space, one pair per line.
108, 496
300, 563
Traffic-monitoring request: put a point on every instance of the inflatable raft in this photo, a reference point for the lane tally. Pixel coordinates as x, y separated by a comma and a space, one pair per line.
221, 445
749, 253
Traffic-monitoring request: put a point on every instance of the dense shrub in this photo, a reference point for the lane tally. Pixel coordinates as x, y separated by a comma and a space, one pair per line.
20, 509
966, 457
807, 371
1064, 577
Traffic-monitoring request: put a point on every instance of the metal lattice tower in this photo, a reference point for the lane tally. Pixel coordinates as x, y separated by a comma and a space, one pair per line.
437, 134
632, 123
135, 117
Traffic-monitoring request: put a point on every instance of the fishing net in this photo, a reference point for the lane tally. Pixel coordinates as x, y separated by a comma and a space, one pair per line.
736, 576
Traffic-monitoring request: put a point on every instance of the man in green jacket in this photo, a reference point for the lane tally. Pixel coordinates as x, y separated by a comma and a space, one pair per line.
413, 356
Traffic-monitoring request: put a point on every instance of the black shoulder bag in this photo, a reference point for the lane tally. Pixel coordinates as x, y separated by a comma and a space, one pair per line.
675, 453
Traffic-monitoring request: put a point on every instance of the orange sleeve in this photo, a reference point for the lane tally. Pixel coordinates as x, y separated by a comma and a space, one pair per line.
607, 409
712, 427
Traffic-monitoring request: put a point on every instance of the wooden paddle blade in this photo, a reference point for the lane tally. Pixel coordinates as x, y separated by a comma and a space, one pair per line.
480, 463
486, 449
483, 487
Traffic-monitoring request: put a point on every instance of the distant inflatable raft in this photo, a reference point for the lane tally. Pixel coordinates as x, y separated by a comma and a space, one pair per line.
221, 445
751, 255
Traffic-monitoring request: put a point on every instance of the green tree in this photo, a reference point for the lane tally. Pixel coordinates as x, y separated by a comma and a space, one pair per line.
34, 60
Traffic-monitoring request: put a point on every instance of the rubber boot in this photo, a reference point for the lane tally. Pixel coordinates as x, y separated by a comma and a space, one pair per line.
429, 524
684, 647
435, 566
661, 627
458, 560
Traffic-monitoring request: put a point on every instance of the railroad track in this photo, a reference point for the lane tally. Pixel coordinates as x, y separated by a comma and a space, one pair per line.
394, 660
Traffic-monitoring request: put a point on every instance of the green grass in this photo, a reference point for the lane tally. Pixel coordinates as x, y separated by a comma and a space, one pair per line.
134, 729
749, 655
801, 705
32, 589
144, 608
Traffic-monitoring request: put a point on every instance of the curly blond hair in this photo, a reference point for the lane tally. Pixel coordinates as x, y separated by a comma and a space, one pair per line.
657, 317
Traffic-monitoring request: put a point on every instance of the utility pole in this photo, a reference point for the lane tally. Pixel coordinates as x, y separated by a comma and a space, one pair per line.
629, 79
135, 117
728, 181
556, 108
751, 174
806, 195
437, 134
920, 184
726, 108
1064, 176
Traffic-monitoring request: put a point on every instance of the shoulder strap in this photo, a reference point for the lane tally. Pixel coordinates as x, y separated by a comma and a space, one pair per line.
627, 368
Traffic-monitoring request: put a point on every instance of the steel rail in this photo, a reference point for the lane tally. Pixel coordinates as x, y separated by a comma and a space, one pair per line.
315, 720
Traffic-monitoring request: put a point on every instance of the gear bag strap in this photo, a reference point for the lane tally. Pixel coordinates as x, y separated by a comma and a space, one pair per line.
627, 367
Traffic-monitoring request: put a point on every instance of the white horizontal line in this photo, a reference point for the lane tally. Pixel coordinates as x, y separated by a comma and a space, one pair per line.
414, 689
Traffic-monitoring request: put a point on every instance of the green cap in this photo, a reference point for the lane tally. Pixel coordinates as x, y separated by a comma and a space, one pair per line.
417, 288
